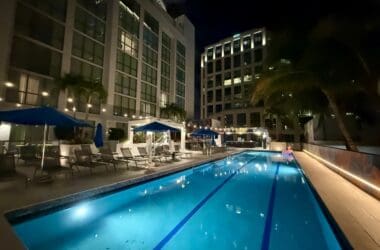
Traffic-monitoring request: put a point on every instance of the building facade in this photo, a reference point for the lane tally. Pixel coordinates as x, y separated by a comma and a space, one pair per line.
143, 57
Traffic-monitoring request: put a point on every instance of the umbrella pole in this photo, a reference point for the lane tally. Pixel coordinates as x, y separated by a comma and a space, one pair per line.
43, 147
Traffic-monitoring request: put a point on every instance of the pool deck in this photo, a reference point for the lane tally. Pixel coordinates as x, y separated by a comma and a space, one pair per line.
356, 212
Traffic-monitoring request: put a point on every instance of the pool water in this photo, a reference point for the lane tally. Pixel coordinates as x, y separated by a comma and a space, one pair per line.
247, 201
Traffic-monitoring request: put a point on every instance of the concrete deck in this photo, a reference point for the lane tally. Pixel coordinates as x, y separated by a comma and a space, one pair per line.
356, 212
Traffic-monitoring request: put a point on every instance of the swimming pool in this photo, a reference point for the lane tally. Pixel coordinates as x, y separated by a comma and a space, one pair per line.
246, 201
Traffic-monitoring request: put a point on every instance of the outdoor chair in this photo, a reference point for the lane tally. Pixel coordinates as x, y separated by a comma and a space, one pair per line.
107, 156
83, 159
144, 153
128, 156
165, 152
28, 154
8, 169
86, 149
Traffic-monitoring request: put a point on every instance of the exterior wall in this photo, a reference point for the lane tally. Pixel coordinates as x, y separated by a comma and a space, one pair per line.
360, 168
179, 29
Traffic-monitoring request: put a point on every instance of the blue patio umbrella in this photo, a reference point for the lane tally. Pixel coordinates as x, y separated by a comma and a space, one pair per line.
98, 139
46, 116
155, 127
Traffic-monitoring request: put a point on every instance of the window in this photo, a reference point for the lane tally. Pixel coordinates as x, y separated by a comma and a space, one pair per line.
126, 63
147, 109
88, 71
237, 61
228, 119
180, 90
97, 7
210, 82
127, 43
227, 78
258, 55
150, 56
89, 25
210, 54
56, 8
237, 46
247, 42
180, 102
218, 95
247, 58
164, 99
180, 75
210, 69
181, 49
125, 85
237, 76
255, 119
241, 120
25, 54
148, 74
180, 61
165, 69
150, 39
166, 41
148, 92
218, 51
227, 49
237, 90
165, 54
227, 93
151, 22
165, 84
210, 110
31, 23
227, 63
218, 108
257, 39
123, 105
218, 80
247, 74
87, 49
129, 15
258, 69
218, 65
210, 96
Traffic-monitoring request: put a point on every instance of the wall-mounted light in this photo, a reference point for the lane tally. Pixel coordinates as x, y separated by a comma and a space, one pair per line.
9, 84
89, 105
18, 105
45, 93
104, 110
70, 99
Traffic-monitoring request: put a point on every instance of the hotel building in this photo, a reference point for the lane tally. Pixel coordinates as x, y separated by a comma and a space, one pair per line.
143, 57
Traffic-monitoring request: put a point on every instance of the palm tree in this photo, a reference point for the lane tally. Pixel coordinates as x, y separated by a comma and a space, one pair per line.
316, 69
172, 111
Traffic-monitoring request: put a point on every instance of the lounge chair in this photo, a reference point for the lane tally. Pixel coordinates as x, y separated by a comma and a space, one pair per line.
8, 169
159, 157
83, 159
28, 154
184, 153
138, 160
107, 156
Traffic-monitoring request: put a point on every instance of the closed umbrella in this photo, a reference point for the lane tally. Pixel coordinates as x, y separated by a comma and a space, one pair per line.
46, 116
98, 139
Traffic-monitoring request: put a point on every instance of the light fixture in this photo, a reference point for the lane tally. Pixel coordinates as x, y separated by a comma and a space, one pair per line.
89, 105
104, 110
9, 84
1, 99
140, 117
66, 109
70, 99
125, 115
133, 116
18, 105
45, 93
74, 109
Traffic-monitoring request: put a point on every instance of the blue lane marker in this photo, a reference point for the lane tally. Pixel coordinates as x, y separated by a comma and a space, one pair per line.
170, 235
268, 221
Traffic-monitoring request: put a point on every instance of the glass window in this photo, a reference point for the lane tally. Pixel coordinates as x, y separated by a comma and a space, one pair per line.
129, 16
227, 49
180, 61
210, 67
125, 85
165, 69
247, 74
210, 96
127, 43
88, 71
237, 46
126, 63
165, 54
180, 89
165, 84
89, 25
258, 69
24, 54
247, 42
151, 22
218, 95
181, 49
229, 119
97, 7
237, 76
210, 82
166, 41
55, 8
124, 105
148, 74
210, 54
31, 23
218, 51
218, 65
87, 49
237, 61
150, 56
227, 78
218, 80
227, 93
218, 108
180, 102
227, 63
257, 39
247, 58
150, 38
148, 92
255, 119
241, 119
210, 109
227, 106
258, 55
147, 109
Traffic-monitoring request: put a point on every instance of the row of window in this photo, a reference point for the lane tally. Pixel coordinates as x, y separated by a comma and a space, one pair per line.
228, 79
241, 118
128, 43
126, 63
125, 85
56, 9
149, 74
235, 63
238, 45
87, 49
124, 105
89, 24
129, 16
237, 93
88, 71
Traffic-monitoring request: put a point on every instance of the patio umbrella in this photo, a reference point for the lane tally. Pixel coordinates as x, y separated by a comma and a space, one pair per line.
98, 139
46, 116
155, 127
205, 133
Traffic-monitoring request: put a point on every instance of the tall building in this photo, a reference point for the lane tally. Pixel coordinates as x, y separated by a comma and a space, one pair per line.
229, 69
143, 57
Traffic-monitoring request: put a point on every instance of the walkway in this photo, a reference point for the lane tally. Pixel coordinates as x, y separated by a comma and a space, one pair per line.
356, 212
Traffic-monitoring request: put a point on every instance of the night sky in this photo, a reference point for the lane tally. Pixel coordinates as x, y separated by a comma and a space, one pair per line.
215, 20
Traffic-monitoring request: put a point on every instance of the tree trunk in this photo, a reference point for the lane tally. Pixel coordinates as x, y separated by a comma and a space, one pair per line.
350, 144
